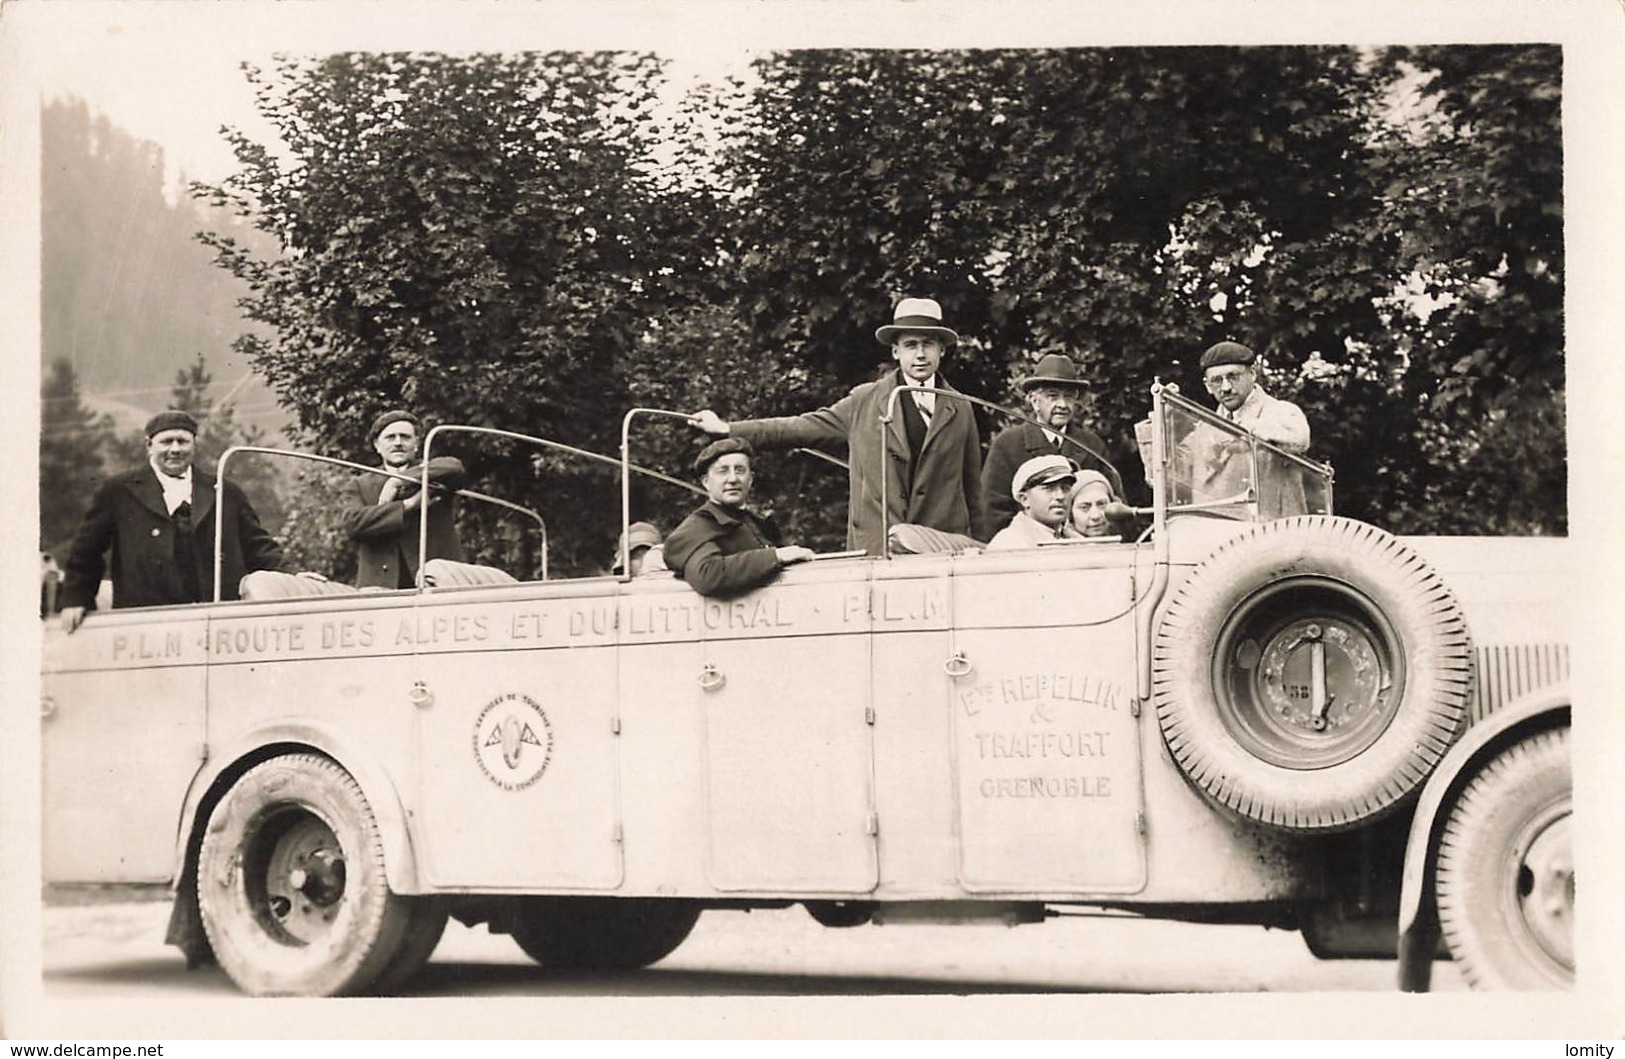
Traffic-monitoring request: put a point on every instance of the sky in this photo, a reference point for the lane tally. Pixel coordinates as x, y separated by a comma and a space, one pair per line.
171, 72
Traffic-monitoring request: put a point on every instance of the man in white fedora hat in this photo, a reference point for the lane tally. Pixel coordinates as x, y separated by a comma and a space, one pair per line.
932, 440
1039, 487
1054, 393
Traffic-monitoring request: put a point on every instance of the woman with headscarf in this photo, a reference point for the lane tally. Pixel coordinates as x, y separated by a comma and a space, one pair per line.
1086, 507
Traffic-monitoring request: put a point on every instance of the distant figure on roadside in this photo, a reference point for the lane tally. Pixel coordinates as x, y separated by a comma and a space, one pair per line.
383, 513
722, 549
1222, 464
158, 523
1053, 392
932, 442
1040, 488
644, 546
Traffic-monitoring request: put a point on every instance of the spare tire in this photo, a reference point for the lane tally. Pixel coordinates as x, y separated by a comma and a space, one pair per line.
1310, 673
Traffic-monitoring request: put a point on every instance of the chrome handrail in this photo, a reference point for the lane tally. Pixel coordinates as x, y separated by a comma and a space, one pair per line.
626, 464
220, 486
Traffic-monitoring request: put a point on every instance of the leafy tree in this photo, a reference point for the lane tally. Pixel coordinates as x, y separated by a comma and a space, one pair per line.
1475, 178
480, 239
1130, 206
504, 240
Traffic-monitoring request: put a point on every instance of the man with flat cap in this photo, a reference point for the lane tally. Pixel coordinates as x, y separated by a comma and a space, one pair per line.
384, 511
722, 549
1040, 487
1223, 464
932, 445
157, 522
1053, 392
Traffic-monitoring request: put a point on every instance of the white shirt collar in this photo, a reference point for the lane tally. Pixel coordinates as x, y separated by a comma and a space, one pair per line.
925, 400
177, 491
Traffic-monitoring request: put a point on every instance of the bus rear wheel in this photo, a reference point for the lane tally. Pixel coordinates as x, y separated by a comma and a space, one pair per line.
1505, 877
602, 933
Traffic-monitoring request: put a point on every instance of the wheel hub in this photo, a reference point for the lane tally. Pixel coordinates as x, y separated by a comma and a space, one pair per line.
304, 879
1308, 686
1545, 887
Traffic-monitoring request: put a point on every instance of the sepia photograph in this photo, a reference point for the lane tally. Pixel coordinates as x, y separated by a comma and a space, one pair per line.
886, 518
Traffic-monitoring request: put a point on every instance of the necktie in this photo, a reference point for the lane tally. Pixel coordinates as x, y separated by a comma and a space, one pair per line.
920, 400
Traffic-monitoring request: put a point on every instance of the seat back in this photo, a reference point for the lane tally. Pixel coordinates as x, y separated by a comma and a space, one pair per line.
448, 573
907, 538
262, 585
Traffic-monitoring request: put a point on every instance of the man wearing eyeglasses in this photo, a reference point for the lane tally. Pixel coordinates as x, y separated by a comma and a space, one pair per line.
158, 524
1224, 462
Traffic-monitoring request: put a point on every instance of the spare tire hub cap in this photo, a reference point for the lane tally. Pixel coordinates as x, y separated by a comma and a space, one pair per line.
1311, 692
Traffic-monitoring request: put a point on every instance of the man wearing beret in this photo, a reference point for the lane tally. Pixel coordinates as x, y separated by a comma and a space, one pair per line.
1039, 487
382, 517
1223, 464
158, 523
1053, 391
722, 549
934, 476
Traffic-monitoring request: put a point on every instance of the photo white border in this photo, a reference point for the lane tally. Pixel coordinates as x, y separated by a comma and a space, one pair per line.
1591, 32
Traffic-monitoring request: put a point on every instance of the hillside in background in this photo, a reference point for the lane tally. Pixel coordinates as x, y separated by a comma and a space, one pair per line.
128, 296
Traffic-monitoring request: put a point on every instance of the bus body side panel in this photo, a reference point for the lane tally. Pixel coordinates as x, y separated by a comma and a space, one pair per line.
122, 738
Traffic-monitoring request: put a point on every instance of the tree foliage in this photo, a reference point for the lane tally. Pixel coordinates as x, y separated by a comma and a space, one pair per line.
74, 443
531, 242
480, 239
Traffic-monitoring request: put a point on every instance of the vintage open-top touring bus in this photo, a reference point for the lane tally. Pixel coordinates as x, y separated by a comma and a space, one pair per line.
1298, 721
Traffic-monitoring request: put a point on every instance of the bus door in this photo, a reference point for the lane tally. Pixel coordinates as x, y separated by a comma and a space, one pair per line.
1046, 754
788, 751
517, 736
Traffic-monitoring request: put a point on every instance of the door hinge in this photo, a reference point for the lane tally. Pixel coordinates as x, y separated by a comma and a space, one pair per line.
871, 824
1134, 706
615, 725
868, 715
617, 835
203, 751
1139, 822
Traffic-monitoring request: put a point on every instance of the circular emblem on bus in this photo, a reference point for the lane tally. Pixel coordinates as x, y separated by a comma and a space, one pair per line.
513, 741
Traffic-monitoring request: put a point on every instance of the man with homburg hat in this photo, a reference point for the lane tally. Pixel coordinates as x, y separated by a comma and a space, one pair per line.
158, 523
1053, 392
931, 442
1222, 463
722, 549
384, 512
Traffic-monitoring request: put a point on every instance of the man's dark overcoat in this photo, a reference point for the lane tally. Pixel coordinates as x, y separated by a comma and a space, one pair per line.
937, 489
128, 516
1020, 442
723, 551
386, 535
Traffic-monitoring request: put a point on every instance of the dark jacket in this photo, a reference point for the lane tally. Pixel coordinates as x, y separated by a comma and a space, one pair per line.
936, 489
386, 535
1020, 442
723, 552
127, 516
